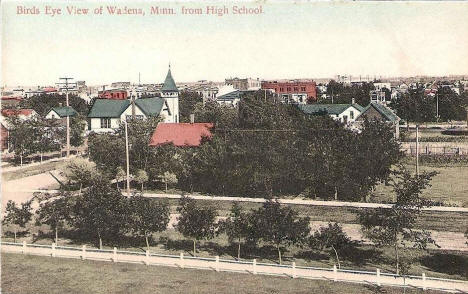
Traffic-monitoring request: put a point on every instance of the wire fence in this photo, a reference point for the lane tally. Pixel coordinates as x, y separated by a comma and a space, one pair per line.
435, 150
249, 267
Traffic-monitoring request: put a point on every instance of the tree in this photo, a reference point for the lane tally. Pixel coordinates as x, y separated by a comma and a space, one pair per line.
17, 216
280, 225
120, 175
107, 151
187, 103
101, 211
141, 177
80, 172
196, 222
77, 130
44, 102
148, 216
169, 179
54, 213
331, 236
395, 226
237, 226
21, 137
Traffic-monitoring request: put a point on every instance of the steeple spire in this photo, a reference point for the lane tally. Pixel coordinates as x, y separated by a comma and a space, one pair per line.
169, 84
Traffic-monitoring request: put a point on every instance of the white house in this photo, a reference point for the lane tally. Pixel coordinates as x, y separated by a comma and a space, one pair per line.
107, 114
60, 112
346, 113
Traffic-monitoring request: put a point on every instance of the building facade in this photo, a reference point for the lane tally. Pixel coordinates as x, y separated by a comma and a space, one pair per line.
295, 92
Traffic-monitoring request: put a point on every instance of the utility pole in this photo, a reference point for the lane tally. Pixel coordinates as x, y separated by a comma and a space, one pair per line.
437, 106
66, 85
417, 149
127, 156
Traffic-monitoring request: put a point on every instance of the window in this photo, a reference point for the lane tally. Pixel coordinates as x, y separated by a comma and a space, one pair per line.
351, 114
129, 117
105, 123
296, 89
289, 89
345, 119
303, 89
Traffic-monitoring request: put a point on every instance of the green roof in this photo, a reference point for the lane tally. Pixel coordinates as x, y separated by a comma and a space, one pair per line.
386, 112
108, 108
229, 96
169, 84
150, 106
335, 109
64, 111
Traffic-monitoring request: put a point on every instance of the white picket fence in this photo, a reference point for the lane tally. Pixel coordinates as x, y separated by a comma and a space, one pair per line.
250, 267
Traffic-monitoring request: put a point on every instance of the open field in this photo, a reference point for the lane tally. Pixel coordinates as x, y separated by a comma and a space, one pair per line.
34, 274
449, 186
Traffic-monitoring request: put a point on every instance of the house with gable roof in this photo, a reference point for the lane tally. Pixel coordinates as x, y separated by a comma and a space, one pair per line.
345, 113
378, 111
106, 114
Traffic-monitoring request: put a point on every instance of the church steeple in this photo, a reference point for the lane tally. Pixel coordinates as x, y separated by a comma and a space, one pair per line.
169, 84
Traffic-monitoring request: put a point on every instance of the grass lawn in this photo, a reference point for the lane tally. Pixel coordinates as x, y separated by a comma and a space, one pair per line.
31, 171
35, 274
450, 185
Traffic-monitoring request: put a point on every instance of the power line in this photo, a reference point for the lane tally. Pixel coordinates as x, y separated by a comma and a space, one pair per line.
67, 86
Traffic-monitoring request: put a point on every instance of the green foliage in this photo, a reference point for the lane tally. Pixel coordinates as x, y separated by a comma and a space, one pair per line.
147, 216
101, 212
55, 213
17, 216
344, 94
395, 226
237, 226
141, 177
187, 104
107, 151
333, 237
417, 107
79, 172
44, 102
196, 222
77, 130
280, 226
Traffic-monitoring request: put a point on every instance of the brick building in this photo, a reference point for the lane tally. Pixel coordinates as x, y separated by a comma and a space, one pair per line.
299, 92
115, 94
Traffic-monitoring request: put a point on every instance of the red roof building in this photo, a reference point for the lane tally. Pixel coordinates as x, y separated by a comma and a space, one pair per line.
181, 134
114, 94
18, 112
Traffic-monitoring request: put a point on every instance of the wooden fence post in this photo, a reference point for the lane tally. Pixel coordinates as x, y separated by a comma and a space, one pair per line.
335, 273
424, 281
378, 278
147, 257
114, 259
83, 252
24, 247
217, 264
53, 249
254, 264
294, 270
182, 265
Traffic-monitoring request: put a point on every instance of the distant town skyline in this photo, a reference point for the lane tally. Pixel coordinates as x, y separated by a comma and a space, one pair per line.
287, 41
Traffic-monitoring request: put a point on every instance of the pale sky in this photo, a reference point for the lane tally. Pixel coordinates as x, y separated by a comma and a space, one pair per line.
302, 40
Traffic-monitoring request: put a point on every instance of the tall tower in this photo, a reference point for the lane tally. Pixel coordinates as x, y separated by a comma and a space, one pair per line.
170, 93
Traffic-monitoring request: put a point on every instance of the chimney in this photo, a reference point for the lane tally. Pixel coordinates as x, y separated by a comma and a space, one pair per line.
192, 118
60, 104
353, 101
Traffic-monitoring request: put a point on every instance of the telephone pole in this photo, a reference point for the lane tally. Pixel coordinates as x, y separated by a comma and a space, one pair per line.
67, 85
